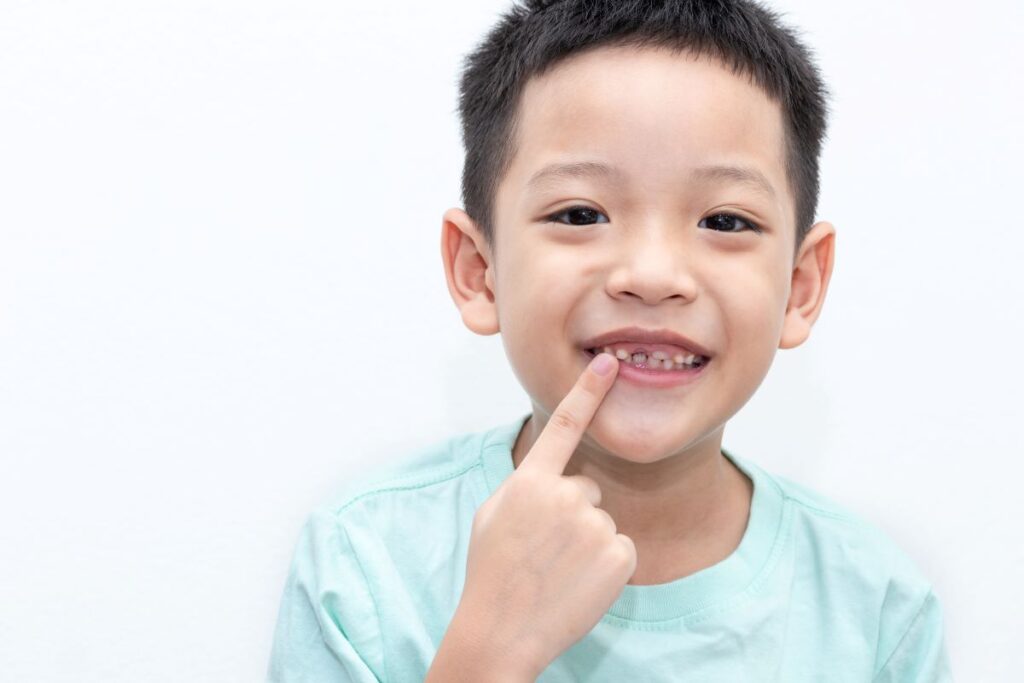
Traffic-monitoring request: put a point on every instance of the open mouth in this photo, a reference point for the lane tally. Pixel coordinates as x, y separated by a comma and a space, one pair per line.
657, 361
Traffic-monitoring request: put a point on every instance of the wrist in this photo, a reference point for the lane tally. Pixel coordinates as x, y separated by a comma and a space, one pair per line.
473, 649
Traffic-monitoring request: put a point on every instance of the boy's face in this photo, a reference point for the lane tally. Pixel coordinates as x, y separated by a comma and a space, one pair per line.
639, 252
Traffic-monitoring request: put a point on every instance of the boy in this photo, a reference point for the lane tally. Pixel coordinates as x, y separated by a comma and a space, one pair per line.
640, 185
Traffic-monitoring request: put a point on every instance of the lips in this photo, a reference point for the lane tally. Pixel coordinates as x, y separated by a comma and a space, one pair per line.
653, 338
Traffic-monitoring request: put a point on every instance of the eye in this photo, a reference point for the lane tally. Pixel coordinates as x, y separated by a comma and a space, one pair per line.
581, 215
726, 222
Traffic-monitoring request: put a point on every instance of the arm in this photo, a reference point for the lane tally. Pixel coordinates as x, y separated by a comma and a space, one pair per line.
325, 613
920, 656
463, 658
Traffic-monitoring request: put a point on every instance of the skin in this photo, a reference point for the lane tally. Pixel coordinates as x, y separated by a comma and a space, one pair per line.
645, 257
545, 563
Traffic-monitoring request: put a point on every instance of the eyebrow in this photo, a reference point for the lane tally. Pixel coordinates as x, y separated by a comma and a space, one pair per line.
580, 169
738, 174
596, 169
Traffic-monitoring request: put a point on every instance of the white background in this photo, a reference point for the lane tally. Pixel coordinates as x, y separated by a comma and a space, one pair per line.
222, 296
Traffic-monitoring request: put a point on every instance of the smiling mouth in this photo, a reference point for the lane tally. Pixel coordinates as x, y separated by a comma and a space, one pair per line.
657, 361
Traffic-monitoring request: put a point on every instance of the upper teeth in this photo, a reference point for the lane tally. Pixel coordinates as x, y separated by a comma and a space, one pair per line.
657, 359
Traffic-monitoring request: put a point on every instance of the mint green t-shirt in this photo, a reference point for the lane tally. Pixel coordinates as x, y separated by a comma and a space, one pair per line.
812, 593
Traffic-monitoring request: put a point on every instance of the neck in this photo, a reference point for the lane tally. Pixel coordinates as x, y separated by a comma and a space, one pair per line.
684, 512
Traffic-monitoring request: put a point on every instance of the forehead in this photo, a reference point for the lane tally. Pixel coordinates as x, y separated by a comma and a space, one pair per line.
657, 116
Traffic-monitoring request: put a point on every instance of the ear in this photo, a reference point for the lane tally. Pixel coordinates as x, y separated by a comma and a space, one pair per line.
812, 270
468, 268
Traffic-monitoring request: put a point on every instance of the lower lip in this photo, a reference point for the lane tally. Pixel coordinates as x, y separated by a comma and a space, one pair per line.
649, 377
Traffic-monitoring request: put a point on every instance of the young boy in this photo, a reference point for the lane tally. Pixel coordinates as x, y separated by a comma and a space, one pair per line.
640, 184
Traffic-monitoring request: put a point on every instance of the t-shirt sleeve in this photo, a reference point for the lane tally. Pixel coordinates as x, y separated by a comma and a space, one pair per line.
327, 627
920, 656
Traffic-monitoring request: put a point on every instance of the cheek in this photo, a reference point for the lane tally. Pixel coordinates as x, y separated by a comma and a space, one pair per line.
535, 324
756, 320
539, 300
543, 365
752, 302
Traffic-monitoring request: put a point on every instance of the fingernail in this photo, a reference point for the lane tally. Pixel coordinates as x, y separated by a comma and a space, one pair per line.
603, 363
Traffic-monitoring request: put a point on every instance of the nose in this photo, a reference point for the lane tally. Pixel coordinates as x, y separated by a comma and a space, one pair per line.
652, 266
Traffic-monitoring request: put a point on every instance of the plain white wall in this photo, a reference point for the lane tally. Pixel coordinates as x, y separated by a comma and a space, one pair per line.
221, 296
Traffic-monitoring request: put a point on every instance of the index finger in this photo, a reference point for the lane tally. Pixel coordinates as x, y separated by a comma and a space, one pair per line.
560, 436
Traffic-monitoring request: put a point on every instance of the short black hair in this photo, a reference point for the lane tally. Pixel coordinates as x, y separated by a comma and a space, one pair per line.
533, 36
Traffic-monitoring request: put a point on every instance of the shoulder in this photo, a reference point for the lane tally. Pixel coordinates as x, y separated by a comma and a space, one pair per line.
863, 542
440, 477
427, 465
862, 562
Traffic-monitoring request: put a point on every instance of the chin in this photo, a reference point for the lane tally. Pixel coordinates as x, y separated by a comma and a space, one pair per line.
637, 439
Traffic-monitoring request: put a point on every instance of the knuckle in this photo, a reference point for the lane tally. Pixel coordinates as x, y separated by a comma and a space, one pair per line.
590, 486
607, 520
568, 496
596, 527
563, 420
625, 552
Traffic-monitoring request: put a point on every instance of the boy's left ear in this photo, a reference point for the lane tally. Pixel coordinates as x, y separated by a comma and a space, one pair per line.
812, 270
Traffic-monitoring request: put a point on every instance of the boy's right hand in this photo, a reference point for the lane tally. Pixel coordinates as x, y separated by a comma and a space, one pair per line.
545, 563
